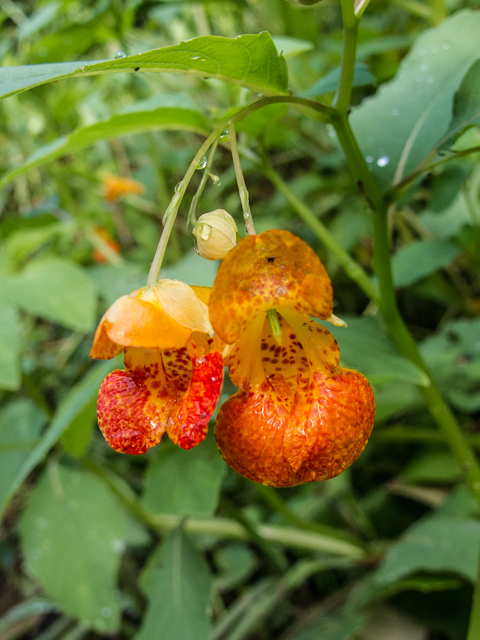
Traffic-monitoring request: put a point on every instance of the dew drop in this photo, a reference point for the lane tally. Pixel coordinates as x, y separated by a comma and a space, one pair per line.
446, 45
119, 54
369, 159
178, 186
430, 79
383, 161
194, 57
106, 612
118, 545
424, 66
41, 523
395, 112
202, 163
225, 136
215, 180
206, 231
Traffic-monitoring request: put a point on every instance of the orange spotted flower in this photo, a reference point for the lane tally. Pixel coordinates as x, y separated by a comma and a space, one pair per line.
173, 375
116, 186
298, 416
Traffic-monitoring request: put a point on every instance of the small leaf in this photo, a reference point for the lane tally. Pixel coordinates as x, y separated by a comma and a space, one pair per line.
365, 346
160, 112
435, 544
72, 536
70, 408
420, 258
250, 61
10, 375
361, 78
290, 47
20, 425
466, 106
189, 480
178, 583
55, 289
344, 625
399, 126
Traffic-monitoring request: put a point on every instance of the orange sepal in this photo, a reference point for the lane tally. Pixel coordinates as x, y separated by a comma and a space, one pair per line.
188, 423
103, 348
282, 440
130, 420
270, 270
131, 322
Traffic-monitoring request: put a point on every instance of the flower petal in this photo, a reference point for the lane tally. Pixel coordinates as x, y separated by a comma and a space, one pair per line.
131, 322
188, 423
283, 441
103, 348
128, 419
272, 270
182, 304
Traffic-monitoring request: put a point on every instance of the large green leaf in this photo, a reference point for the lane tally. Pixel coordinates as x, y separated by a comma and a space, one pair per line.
73, 534
365, 346
71, 407
420, 258
160, 112
178, 583
55, 289
435, 544
10, 375
466, 106
249, 61
20, 424
184, 482
399, 126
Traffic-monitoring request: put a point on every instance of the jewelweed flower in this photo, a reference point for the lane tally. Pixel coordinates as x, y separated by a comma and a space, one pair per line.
116, 186
298, 416
173, 372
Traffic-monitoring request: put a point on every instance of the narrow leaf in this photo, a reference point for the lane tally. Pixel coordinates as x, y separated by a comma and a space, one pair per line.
361, 78
249, 61
10, 376
161, 112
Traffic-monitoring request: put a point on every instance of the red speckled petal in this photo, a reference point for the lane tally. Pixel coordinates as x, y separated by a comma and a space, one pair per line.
128, 418
188, 423
284, 440
274, 269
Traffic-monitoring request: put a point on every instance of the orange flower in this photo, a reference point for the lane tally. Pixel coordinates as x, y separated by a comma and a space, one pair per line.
298, 416
116, 186
173, 374
97, 254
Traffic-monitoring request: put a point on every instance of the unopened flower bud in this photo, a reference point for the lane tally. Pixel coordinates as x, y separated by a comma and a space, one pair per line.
216, 234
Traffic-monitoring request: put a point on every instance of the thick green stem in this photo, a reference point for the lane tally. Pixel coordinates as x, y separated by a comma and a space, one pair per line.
350, 29
352, 268
394, 323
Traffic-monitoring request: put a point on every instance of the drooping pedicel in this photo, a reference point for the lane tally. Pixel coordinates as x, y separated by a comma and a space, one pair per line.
298, 416
173, 373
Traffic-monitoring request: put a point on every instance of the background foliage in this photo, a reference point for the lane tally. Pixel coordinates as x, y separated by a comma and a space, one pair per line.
173, 544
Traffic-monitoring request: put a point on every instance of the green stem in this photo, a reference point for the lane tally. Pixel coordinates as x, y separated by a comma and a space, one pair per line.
439, 11
350, 29
474, 624
172, 210
286, 536
242, 187
352, 268
192, 213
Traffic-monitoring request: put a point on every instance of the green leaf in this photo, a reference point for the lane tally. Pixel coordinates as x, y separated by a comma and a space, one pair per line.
431, 467
364, 346
10, 375
466, 106
73, 404
189, 480
76, 438
420, 258
73, 534
290, 47
454, 357
20, 425
435, 544
450, 221
361, 78
399, 126
55, 289
178, 583
236, 562
250, 61
345, 625
160, 112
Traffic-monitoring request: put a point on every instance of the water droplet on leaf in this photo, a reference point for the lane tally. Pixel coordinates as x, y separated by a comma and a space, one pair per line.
383, 161
119, 54
202, 163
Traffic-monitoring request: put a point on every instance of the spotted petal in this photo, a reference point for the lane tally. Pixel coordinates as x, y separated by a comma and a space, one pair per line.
272, 270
